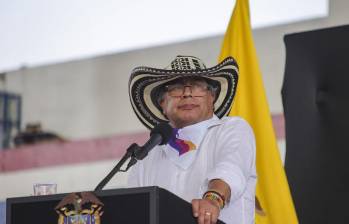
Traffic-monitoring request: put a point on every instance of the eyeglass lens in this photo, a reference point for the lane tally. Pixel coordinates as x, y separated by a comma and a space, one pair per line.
196, 89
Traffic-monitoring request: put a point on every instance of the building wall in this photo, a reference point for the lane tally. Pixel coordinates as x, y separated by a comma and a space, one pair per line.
89, 97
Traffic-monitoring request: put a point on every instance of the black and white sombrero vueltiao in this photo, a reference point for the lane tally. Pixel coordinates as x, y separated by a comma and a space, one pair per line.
145, 83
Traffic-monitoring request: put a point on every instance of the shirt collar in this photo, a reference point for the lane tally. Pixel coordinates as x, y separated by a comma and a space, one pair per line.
182, 148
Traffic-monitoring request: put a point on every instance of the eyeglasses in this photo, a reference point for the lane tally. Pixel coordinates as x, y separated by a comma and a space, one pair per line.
197, 89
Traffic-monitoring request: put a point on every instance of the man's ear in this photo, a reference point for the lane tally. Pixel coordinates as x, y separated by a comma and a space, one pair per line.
162, 105
213, 94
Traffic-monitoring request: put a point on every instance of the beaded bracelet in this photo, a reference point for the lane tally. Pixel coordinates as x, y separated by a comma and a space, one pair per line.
215, 196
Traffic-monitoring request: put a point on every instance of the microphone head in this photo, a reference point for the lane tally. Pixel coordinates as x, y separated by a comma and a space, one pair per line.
163, 129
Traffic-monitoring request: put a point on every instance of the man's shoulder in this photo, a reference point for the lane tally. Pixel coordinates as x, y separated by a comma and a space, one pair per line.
234, 121
232, 125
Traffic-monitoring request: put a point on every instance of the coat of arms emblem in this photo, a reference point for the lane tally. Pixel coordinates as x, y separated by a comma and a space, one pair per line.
80, 208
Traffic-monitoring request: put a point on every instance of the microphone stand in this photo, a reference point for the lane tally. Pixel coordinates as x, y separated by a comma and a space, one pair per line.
132, 151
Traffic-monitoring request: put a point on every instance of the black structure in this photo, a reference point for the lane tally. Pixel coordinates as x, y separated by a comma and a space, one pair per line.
10, 117
148, 205
315, 97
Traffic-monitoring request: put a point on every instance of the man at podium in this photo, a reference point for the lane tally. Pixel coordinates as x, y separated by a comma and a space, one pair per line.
210, 158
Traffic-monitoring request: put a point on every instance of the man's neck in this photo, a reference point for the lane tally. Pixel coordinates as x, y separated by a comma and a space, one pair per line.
183, 125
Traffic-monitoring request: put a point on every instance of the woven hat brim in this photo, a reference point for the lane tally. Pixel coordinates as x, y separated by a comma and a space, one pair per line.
144, 80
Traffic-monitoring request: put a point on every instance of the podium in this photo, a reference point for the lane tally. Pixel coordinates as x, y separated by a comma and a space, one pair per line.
146, 205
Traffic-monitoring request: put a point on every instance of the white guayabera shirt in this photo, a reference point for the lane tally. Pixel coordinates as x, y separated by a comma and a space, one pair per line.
225, 150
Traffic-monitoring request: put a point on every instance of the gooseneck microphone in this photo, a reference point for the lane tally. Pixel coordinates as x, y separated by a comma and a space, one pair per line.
159, 135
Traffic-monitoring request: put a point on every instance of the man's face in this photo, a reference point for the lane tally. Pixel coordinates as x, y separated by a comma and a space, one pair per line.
187, 102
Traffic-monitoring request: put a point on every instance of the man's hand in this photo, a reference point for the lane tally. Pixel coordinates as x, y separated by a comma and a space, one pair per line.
206, 211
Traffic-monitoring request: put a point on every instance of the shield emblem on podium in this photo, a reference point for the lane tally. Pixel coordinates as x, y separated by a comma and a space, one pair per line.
80, 208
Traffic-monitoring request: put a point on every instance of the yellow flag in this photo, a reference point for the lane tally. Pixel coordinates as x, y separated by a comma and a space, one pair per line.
250, 103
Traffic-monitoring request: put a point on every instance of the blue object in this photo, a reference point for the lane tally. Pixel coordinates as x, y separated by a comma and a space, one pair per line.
2, 212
